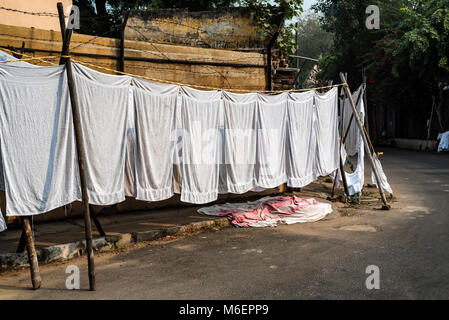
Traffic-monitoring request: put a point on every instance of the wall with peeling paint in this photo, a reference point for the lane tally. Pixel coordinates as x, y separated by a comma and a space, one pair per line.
231, 28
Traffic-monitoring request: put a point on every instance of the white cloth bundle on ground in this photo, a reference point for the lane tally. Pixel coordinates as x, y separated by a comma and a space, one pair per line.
270, 211
383, 178
271, 140
301, 140
239, 149
103, 102
155, 105
201, 112
327, 158
37, 139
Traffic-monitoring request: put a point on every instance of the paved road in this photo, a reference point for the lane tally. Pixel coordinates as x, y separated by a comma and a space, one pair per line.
409, 244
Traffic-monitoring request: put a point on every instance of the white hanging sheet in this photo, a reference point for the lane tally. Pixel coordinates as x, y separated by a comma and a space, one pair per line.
37, 139
201, 112
353, 138
444, 142
301, 140
239, 143
271, 140
155, 105
356, 179
7, 57
103, 102
130, 158
383, 178
327, 158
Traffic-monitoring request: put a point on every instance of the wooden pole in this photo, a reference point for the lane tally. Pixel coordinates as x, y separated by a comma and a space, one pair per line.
350, 121
122, 41
342, 171
31, 250
96, 221
344, 140
79, 149
365, 140
22, 243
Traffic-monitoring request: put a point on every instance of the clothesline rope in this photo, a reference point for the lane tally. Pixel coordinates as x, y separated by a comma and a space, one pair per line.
44, 59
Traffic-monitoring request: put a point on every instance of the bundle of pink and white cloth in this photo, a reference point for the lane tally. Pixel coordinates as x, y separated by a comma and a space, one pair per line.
270, 211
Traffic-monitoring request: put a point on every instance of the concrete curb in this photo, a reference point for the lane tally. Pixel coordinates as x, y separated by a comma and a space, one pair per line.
67, 251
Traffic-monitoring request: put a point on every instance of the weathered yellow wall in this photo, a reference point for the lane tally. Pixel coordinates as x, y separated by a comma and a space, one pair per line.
231, 28
221, 77
214, 76
46, 22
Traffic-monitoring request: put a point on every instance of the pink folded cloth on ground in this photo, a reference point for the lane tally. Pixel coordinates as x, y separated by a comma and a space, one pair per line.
270, 211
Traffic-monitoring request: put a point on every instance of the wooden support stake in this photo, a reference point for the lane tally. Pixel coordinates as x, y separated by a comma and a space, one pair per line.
342, 171
350, 121
365, 140
122, 41
22, 243
79, 147
96, 221
31, 250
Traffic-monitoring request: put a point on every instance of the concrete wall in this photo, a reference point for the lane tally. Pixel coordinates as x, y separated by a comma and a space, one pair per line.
231, 28
250, 78
47, 21
216, 76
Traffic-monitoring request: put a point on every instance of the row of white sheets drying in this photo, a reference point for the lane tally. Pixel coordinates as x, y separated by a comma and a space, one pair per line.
150, 140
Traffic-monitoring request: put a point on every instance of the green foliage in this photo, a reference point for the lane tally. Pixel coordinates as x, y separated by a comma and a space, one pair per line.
270, 17
404, 60
313, 42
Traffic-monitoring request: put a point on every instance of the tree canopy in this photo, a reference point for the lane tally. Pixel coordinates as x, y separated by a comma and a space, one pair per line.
405, 61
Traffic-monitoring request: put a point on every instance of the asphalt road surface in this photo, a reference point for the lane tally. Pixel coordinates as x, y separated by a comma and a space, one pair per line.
322, 260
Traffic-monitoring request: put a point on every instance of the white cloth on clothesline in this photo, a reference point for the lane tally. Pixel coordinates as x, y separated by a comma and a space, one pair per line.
201, 112
37, 140
103, 102
155, 105
444, 142
383, 178
327, 157
353, 138
7, 57
271, 140
354, 142
238, 174
301, 140
130, 158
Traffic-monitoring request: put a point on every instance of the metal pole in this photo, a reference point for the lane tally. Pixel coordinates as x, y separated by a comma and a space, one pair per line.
31, 250
365, 140
79, 149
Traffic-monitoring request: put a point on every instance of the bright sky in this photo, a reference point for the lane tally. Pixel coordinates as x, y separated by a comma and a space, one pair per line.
308, 3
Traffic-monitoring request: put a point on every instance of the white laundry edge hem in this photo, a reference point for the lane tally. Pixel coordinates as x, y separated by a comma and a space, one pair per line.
52, 206
198, 198
154, 194
106, 199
